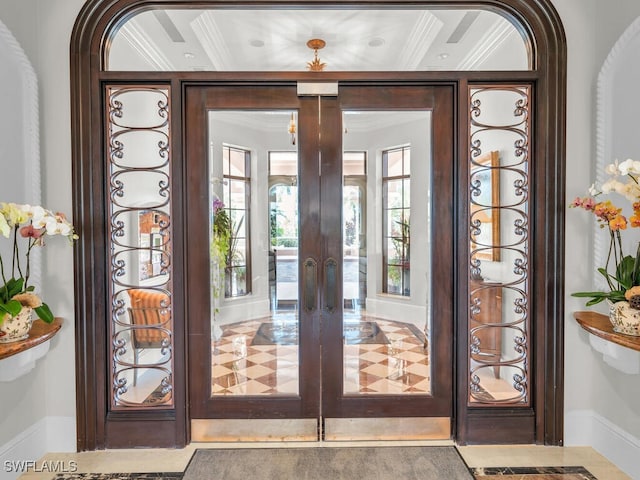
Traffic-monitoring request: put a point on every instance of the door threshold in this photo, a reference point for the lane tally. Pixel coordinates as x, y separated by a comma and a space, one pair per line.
387, 428
254, 430
325, 444
330, 430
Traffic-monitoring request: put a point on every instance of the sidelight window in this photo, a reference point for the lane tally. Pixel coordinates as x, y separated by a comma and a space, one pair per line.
396, 189
236, 171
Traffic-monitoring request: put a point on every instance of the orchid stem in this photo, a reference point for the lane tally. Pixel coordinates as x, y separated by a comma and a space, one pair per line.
16, 254
4, 282
612, 245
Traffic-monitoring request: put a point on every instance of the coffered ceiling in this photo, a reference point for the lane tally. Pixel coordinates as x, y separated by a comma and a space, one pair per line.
356, 40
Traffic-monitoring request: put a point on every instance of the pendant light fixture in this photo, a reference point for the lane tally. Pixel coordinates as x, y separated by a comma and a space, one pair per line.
316, 44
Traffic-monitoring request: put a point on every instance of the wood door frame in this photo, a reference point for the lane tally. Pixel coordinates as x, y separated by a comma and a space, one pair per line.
98, 427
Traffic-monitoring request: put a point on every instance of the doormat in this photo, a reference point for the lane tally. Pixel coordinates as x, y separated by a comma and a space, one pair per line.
286, 333
118, 476
532, 473
335, 463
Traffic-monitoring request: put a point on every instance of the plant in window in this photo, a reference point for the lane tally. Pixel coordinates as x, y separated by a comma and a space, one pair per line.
28, 226
234, 258
220, 240
621, 272
402, 244
400, 277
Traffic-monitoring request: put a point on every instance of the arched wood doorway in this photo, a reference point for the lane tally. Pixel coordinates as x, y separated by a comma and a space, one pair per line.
105, 420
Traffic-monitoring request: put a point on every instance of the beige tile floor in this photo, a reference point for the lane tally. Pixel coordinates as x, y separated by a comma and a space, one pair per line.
164, 460
540, 456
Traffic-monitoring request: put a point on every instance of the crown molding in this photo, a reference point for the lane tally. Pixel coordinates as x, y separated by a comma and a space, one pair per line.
213, 42
141, 43
419, 41
487, 45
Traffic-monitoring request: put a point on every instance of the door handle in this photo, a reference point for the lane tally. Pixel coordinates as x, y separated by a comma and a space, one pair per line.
330, 284
310, 284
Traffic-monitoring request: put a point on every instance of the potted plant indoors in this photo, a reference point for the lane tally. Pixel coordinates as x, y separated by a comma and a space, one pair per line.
28, 227
621, 272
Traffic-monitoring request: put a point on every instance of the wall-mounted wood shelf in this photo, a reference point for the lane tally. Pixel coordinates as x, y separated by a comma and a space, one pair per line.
40, 332
600, 326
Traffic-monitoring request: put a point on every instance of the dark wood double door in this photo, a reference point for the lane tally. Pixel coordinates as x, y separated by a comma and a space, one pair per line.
359, 336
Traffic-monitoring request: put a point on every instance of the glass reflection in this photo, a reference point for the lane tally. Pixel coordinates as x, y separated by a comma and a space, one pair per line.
273, 39
385, 329
254, 261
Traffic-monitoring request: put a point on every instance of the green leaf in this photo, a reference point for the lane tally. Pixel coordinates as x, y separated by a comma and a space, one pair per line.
14, 286
591, 294
625, 272
594, 301
12, 307
44, 312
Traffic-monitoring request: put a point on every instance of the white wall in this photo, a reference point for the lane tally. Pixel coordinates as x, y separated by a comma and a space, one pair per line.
594, 391
42, 403
600, 402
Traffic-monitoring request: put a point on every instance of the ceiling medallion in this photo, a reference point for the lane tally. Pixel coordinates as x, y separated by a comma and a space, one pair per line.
316, 44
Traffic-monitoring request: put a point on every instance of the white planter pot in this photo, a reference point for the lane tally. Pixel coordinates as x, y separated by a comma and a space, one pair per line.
14, 329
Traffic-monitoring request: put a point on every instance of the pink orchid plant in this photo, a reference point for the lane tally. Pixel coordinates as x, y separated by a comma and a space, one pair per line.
624, 279
29, 226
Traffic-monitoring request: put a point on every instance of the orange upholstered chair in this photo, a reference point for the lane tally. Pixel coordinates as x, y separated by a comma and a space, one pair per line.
150, 315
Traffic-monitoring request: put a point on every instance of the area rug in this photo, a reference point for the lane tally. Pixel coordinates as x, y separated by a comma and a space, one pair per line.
118, 476
287, 334
157, 397
335, 463
279, 333
364, 333
532, 473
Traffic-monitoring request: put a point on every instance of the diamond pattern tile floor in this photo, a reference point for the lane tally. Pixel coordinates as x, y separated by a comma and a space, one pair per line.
242, 367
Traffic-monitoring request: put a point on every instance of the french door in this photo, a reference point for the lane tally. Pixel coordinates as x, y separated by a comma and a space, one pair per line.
319, 273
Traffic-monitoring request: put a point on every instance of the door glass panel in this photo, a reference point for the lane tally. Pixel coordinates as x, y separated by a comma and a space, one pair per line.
385, 344
275, 39
254, 273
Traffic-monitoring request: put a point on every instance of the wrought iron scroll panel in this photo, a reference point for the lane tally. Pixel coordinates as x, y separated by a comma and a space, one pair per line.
139, 236
499, 317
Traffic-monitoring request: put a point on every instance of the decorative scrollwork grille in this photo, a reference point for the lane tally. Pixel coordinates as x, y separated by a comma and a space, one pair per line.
499, 244
139, 237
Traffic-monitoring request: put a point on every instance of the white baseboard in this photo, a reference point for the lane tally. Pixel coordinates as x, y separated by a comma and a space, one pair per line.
587, 428
397, 309
49, 434
242, 308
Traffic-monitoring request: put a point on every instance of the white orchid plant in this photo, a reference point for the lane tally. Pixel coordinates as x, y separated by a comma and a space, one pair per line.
31, 224
624, 280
